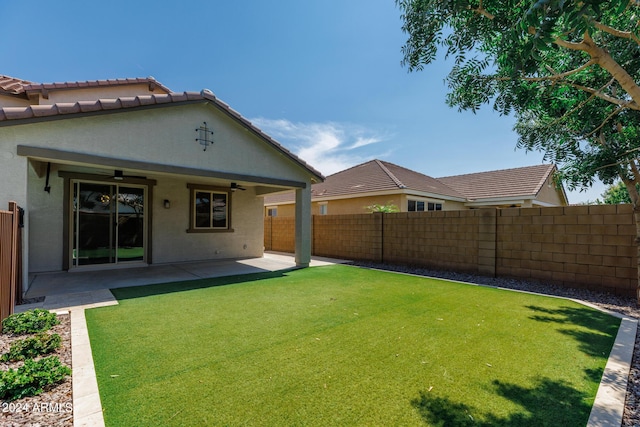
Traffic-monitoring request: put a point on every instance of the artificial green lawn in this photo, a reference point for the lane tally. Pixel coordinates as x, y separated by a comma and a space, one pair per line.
340, 345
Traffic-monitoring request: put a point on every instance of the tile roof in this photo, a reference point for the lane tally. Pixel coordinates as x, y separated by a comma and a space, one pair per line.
37, 87
18, 115
12, 85
16, 86
515, 182
60, 110
376, 176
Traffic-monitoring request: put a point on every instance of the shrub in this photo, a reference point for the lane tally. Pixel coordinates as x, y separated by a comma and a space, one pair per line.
31, 347
32, 378
29, 322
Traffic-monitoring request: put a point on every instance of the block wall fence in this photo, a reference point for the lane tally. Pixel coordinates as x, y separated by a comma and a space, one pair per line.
590, 247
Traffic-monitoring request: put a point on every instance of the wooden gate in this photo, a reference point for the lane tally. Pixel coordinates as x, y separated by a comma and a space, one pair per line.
10, 259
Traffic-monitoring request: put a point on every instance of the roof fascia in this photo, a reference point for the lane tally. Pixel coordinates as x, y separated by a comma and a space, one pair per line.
544, 204
499, 201
405, 191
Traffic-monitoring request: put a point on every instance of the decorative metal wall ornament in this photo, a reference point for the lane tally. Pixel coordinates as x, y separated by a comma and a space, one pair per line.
205, 136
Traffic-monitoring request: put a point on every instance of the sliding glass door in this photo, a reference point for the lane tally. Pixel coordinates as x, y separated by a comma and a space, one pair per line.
108, 223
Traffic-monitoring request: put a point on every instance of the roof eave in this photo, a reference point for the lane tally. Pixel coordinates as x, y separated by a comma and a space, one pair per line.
500, 200
40, 114
225, 108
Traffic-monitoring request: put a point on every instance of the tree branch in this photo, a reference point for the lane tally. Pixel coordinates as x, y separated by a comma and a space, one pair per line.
615, 32
596, 92
609, 117
482, 11
557, 76
570, 45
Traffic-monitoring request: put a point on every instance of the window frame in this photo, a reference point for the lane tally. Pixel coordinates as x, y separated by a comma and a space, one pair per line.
199, 188
323, 208
425, 204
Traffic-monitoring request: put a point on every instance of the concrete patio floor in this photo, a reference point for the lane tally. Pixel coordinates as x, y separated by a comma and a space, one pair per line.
64, 283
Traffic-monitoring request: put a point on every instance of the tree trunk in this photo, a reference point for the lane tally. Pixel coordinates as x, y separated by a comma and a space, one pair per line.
606, 61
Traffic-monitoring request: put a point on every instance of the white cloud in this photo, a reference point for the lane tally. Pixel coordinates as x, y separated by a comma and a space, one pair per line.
329, 147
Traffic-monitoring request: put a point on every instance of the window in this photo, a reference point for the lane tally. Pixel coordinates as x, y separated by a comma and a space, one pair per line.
323, 209
415, 206
272, 211
210, 209
421, 206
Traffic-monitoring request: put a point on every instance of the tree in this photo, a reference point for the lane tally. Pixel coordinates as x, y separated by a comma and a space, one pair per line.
567, 70
387, 208
616, 194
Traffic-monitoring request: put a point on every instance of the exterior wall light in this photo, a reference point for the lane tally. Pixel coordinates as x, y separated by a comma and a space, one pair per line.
166, 204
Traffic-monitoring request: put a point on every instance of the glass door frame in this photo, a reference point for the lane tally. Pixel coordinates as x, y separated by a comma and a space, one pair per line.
71, 179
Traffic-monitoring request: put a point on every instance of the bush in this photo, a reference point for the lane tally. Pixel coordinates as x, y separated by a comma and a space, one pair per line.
29, 322
31, 347
32, 378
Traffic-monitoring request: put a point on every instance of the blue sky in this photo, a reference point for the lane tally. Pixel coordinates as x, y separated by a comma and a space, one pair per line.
323, 77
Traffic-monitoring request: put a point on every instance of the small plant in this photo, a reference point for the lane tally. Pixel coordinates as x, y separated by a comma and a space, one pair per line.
32, 378
29, 322
388, 208
31, 347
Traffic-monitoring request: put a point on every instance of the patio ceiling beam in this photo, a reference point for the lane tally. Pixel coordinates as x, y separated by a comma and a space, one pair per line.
50, 154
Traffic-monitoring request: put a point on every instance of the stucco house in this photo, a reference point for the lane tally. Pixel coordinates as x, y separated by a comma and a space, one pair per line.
352, 190
115, 173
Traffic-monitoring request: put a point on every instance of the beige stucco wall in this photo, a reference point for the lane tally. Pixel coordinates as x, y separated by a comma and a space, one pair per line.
45, 214
171, 242
164, 136
12, 101
13, 170
549, 194
357, 205
287, 210
104, 92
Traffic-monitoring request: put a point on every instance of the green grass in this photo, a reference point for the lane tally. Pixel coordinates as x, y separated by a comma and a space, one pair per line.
340, 345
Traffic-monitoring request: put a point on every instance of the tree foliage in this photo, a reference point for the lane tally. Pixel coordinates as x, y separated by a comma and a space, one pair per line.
566, 69
616, 194
386, 208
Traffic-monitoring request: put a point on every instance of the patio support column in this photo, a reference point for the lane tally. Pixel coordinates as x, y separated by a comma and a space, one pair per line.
303, 226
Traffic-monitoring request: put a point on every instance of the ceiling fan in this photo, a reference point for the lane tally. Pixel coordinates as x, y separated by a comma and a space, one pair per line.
235, 186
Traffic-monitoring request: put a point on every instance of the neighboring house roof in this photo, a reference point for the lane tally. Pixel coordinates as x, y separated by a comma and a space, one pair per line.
44, 87
35, 113
505, 183
14, 86
11, 85
377, 176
